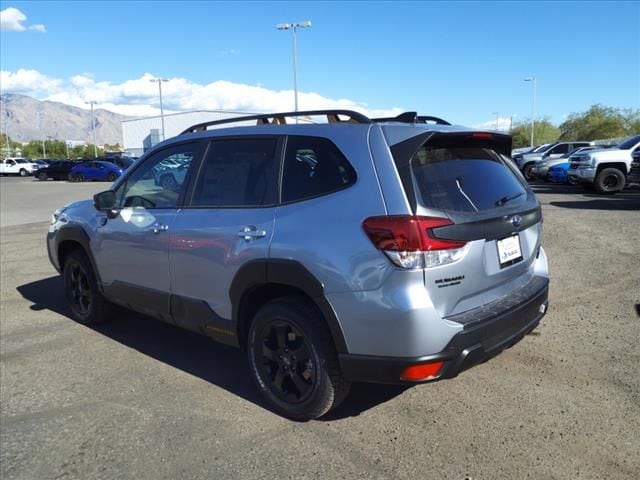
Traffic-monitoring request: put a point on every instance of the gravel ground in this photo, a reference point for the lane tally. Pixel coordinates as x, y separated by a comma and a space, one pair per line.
136, 398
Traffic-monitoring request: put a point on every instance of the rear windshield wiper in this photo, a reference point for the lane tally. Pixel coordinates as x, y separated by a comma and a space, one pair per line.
508, 198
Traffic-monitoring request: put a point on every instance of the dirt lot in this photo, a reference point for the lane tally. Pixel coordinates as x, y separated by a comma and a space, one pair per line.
135, 398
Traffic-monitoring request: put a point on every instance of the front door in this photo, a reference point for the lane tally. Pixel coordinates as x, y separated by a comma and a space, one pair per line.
132, 249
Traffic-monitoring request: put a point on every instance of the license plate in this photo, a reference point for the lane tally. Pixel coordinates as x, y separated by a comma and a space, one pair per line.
509, 251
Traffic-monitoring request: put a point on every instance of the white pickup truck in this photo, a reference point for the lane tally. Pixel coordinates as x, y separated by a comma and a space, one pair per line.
17, 166
606, 170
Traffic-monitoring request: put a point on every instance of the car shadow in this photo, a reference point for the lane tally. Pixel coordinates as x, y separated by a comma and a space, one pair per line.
215, 363
620, 202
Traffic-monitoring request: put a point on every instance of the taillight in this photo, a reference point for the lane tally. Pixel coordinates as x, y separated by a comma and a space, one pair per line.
409, 241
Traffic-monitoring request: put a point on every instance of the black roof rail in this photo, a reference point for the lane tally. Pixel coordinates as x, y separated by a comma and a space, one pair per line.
333, 116
412, 117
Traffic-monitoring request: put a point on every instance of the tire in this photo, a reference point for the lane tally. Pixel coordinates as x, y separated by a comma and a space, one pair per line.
79, 177
610, 180
112, 177
169, 183
86, 303
293, 360
42, 176
526, 171
23, 172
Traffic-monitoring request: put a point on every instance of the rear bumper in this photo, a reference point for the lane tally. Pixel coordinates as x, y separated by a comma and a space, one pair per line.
483, 337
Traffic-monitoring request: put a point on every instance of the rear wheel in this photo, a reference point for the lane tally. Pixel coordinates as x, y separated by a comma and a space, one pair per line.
293, 360
42, 176
112, 177
610, 180
85, 300
79, 177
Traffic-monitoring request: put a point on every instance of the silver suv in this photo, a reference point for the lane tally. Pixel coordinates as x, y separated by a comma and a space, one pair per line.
398, 250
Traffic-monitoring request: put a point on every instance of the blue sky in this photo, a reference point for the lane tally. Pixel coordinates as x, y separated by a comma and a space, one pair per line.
458, 60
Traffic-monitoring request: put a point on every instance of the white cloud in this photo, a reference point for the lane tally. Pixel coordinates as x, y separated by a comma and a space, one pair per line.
139, 97
12, 20
502, 124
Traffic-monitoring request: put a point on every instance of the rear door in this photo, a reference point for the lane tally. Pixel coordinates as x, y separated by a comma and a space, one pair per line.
227, 223
467, 179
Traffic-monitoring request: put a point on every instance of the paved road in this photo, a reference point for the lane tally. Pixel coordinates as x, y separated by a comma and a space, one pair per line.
136, 398
27, 200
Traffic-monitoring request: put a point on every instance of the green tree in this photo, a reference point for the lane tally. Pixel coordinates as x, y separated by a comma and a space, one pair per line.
600, 122
544, 132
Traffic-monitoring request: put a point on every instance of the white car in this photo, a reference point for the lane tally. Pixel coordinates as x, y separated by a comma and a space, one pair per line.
18, 166
606, 170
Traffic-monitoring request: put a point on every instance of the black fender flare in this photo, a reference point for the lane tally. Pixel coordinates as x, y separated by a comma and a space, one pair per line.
76, 234
288, 273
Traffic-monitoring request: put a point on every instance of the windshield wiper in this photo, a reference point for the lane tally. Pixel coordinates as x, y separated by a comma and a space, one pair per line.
508, 198
459, 185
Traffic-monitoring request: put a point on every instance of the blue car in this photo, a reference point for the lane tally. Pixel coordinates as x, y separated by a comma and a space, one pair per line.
95, 170
558, 173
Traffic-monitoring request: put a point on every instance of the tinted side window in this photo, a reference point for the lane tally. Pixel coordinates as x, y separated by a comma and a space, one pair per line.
159, 181
314, 166
238, 173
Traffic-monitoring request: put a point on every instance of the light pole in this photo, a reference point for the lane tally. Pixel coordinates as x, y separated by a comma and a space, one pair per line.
294, 27
532, 79
497, 117
160, 80
93, 127
44, 149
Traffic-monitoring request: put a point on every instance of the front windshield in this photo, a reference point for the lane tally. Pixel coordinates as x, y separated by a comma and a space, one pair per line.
629, 143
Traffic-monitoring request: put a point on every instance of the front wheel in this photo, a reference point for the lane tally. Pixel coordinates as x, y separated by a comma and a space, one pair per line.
81, 290
79, 177
23, 172
42, 176
293, 360
112, 177
527, 172
610, 180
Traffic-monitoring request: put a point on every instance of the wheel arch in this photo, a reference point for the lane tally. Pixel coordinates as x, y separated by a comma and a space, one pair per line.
73, 238
261, 281
617, 165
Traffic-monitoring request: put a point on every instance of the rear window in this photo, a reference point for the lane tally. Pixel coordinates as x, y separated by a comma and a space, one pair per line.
466, 179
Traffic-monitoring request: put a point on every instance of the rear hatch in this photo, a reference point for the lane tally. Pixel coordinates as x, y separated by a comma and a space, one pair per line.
494, 221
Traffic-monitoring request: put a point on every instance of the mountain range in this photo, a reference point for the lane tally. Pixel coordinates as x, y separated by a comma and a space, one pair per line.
25, 118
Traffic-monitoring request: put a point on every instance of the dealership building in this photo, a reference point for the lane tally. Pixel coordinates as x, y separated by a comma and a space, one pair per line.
140, 134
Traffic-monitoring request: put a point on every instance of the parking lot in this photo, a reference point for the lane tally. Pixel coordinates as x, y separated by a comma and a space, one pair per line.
136, 398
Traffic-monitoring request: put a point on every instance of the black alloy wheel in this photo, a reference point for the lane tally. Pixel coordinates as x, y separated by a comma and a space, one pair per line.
286, 361
293, 359
86, 302
42, 176
79, 294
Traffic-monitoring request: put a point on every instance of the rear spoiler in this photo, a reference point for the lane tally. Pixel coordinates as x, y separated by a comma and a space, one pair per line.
404, 151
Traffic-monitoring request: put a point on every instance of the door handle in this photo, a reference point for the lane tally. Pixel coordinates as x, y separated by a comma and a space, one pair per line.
159, 227
250, 232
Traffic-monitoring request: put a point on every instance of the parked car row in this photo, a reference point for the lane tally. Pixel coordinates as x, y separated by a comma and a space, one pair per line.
107, 169
606, 168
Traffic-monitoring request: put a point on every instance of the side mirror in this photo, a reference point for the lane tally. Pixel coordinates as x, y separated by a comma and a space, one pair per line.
106, 202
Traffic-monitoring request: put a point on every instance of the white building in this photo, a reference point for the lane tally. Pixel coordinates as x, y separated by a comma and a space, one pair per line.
140, 134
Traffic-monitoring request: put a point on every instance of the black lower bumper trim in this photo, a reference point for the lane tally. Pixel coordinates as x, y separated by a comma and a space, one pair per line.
471, 346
